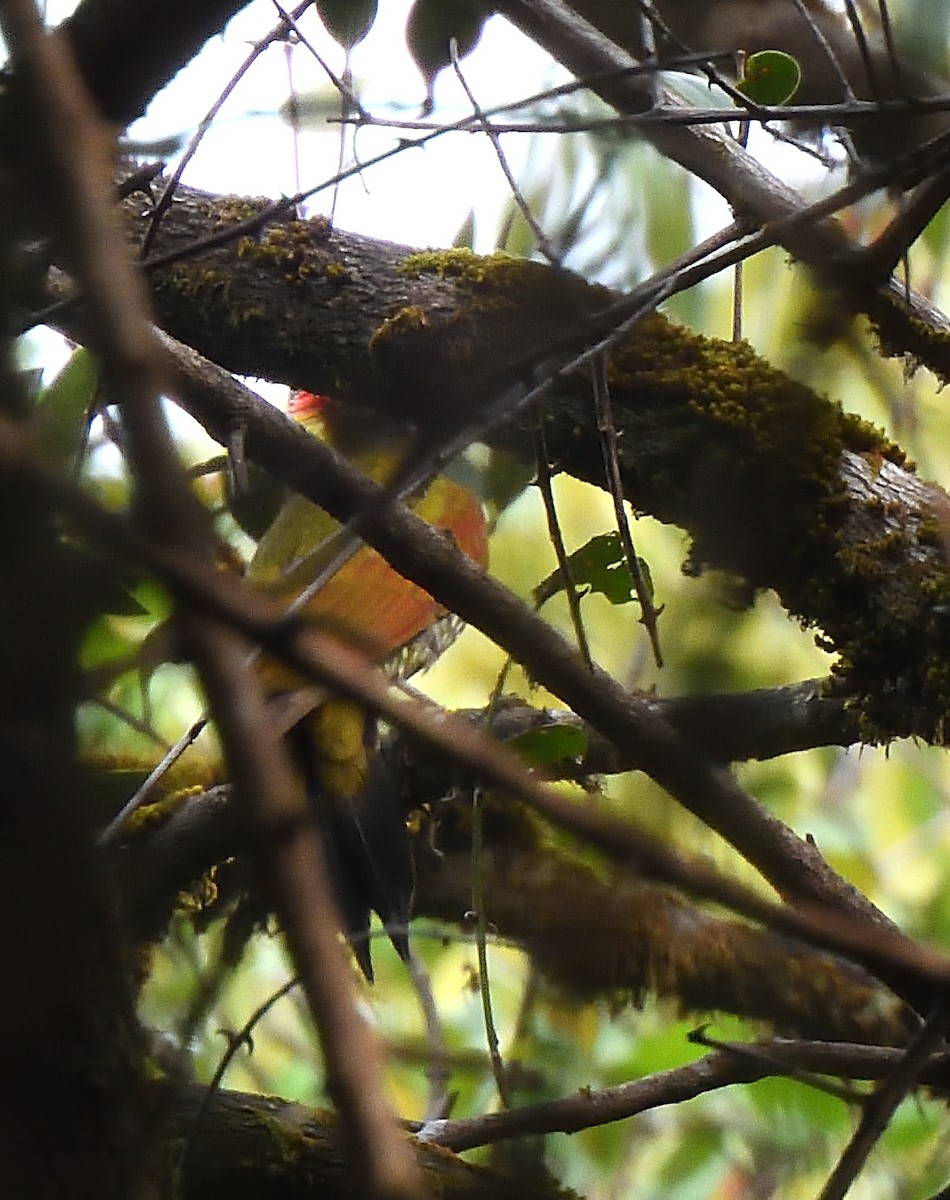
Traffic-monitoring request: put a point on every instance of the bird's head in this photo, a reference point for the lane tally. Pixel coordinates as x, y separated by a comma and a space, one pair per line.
354, 430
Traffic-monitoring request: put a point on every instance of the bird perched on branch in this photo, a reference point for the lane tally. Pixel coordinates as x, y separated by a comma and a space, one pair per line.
367, 602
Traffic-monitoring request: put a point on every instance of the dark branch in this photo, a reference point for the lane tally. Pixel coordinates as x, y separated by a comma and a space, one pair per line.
127, 50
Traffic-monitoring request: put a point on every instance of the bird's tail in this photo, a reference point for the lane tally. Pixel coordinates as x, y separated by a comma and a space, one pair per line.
365, 840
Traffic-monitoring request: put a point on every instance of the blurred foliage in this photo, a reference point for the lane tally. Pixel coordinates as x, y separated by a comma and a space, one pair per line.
616, 211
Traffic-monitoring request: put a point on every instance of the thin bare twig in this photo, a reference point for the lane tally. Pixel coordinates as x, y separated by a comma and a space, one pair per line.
822, 40
483, 123
867, 60
758, 1052
145, 790
544, 482
588, 1108
607, 432
481, 948
168, 192
235, 1041
437, 1066
883, 1104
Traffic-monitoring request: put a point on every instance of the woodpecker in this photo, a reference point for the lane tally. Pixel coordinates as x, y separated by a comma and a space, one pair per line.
335, 746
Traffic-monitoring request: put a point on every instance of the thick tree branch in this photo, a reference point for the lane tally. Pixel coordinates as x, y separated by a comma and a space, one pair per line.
728, 727
909, 324
418, 552
125, 62
617, 937
248, 1147
774, 483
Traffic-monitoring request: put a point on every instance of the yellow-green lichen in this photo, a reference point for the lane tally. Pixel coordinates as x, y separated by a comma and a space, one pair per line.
289, 1140
149, 816
456, 263
518, 280
235, 210
293, 245
198, 281
903, 335
410, 319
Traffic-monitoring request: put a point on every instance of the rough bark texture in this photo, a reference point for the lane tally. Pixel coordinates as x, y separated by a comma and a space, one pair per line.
425, 335
591, 934
245, 1147
775, 484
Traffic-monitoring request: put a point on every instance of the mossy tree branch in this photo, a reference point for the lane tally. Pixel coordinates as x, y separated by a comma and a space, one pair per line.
774, 482
247, 1147
592, 934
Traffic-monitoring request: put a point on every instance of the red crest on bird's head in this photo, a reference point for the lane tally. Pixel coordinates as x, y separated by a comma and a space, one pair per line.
303, 406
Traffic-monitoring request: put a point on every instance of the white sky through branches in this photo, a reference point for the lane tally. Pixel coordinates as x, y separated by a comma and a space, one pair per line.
422, 196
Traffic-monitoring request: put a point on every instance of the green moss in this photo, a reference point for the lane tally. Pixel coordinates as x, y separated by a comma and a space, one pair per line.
410, 319
234, 210
456, 263
296, 246
500, 277
772, 445
756, 476
728, 383
290, 1141
896, 651
874, 558
490, 305
903, 335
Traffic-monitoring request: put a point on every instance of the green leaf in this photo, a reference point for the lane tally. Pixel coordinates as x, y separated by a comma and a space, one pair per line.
63, 408
465, 238
770, 77
430, 27
550, 744
347, 21
598, 566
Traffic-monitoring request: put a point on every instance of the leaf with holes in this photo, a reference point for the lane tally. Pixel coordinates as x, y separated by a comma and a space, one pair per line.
598, 566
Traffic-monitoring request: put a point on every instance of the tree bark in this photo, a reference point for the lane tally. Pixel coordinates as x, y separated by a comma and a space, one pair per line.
775, 484
243, 1147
